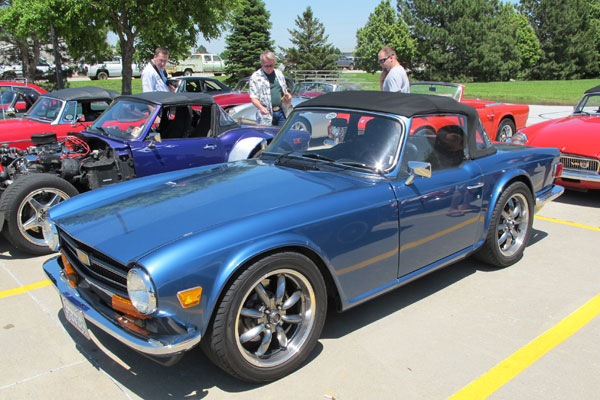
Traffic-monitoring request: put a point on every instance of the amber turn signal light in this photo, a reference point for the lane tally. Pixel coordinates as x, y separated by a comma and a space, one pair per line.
69, 271
190, 297
124, 305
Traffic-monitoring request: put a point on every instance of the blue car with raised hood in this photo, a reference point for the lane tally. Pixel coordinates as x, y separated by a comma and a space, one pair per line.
242, 258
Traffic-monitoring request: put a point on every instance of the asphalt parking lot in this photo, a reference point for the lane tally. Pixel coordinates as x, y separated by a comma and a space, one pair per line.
468, 331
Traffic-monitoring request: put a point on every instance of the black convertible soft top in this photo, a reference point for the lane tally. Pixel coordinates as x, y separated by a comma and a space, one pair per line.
83, 93
404, 104
169, 98
595, 89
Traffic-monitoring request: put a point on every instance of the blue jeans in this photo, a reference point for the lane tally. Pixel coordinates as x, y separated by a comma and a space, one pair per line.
278, 118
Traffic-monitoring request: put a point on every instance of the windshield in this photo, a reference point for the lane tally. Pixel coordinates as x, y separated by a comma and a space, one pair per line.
124, 119
7, 97
350, 139
590, 104
45, 109
321, 87
436, 88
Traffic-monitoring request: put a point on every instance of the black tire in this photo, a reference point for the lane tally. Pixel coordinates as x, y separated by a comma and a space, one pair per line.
510, 227
269, 319
188, 72
102, 75
506, 130
25, 203
218, 73
351, 66
301, 124
9, 76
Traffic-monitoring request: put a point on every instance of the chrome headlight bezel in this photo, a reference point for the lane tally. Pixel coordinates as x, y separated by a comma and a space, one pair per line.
50, 233
141, 291
518, 138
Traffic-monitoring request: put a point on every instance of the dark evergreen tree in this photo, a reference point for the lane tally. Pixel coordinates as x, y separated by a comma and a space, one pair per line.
568, 35
461, 39
248, 39
383, 28
311, 50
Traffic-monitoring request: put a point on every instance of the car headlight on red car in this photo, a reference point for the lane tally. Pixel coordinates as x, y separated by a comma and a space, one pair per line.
518, 138
141, 291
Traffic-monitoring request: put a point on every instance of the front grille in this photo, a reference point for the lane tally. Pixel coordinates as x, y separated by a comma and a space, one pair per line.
580, 163
100, 271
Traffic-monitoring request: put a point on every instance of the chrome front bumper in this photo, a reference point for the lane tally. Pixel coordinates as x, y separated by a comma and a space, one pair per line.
160, 347
580, 175
547, 196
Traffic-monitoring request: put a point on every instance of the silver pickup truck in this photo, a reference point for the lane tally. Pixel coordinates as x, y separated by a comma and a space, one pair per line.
110, 69
198, 62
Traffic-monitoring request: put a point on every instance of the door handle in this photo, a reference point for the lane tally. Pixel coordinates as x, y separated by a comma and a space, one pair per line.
476, 186
210, 147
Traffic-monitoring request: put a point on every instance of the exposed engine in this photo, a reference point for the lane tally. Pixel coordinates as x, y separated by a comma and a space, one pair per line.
87, 163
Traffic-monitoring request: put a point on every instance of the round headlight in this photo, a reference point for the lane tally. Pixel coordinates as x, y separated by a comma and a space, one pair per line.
50, 234
141, 291
518, 138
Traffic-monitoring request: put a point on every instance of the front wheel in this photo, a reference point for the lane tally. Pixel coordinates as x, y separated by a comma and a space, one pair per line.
25, 204
510, 227
506, 130
102, 75
187, 72
269, 319
301, 124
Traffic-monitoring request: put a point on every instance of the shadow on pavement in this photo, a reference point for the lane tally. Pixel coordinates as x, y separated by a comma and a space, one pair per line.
585, 199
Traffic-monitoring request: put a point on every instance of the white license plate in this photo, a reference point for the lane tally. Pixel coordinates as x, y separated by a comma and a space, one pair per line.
74, 316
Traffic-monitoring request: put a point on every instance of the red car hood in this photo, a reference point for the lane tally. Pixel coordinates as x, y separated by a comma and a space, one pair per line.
21, 129
233, 98
574, 134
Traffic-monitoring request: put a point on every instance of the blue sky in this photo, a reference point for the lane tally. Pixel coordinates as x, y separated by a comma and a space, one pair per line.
340, 18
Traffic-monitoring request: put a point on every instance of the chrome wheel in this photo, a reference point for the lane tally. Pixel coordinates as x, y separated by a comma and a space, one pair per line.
276, 318
513, 225
32, 212
506, 130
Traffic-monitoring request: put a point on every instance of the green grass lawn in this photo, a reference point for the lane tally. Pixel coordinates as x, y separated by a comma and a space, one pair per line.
526, 92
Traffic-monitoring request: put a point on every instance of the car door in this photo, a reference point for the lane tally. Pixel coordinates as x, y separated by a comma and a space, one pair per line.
208, 63
179, 148
438, 216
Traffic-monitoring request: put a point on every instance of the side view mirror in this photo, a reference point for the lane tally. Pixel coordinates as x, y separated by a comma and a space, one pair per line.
417, 168
154, 137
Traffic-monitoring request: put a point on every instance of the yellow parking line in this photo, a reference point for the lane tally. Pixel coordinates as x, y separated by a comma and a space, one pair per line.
502, 373
592, 228
23, 289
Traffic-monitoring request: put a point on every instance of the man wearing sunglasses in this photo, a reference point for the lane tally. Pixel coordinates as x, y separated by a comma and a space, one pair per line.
268, 92
393, 76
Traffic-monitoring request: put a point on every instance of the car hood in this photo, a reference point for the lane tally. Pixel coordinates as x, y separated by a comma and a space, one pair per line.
574, 135
130, 220
22, 124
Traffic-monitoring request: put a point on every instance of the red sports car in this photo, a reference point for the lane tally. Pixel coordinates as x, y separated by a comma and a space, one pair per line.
499, 120
62, 112
577, 138
17, 97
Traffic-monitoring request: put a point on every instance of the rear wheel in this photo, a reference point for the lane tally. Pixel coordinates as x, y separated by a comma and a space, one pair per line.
269, 319
188, 72
506, 130
510, 227
25, 204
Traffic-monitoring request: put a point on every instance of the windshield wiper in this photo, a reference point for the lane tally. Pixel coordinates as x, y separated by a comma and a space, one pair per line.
101, 130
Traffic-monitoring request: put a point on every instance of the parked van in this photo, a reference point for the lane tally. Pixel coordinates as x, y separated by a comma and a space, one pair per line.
198, 62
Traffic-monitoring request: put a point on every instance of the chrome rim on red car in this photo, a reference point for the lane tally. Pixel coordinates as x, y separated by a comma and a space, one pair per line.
276, 318
32, 212
513, 224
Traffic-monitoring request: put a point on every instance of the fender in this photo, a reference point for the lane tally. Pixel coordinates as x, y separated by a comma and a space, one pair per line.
501, 184
243, 148
253, 249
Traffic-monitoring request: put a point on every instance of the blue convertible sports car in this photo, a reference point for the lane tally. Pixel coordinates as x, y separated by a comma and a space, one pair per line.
242, 258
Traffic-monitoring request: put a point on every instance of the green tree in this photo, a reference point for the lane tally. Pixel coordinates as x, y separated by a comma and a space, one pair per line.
201, 49
383, 28
568, 35
528, 45
248, 38
461, 39
311, 50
